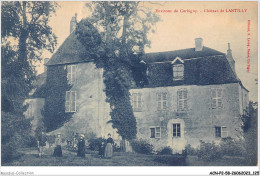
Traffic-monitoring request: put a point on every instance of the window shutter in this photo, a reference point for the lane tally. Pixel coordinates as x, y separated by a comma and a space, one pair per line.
224, 132
67, 102
158, 132
213, 93
134, 100
152, 132
178, 130
218, 131
174, 130
139, 100
214, 98
219, 93
219, 103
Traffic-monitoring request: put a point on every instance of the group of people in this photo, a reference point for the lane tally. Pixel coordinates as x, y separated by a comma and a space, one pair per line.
104, 151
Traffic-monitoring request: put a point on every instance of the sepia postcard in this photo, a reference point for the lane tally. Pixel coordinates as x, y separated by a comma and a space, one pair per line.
168, 84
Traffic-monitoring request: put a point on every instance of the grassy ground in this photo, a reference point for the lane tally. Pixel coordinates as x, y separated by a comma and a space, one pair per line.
225, 161
30, 158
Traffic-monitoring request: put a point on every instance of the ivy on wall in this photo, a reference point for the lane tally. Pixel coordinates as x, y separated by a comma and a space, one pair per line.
54, 92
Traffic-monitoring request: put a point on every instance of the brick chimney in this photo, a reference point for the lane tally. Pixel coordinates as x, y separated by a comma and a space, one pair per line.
198, 44
46, 60
230, 58
73, 23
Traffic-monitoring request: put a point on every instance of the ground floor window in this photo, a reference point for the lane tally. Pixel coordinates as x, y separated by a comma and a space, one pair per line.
176, 130
221, 132
155, 132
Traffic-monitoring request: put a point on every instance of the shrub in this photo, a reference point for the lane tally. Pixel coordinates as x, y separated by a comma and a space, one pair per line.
51, 139
172, 160
30, 141
165, 151
232, 147
190, 150
141, 146
209, 151
94, 144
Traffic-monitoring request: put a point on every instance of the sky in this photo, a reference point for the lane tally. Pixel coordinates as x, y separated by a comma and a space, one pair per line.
218, 23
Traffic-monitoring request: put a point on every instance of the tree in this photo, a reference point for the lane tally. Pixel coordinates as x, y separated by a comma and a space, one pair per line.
120, 35
24, 34
250, 128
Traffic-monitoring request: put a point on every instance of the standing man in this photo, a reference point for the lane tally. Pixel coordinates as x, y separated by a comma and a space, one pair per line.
41, 142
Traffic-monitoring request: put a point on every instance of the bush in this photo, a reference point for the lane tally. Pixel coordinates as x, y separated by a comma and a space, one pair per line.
209, 151
190, 150
51, 139
30, 141
232, 147
165, 151
94, 144
10, 152
172, 160
141, 146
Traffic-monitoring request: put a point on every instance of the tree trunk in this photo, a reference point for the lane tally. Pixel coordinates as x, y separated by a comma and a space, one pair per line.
22, 51
123, 146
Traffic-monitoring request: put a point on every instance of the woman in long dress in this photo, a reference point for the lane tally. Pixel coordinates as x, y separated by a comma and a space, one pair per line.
109, 147
58, 151
81, 146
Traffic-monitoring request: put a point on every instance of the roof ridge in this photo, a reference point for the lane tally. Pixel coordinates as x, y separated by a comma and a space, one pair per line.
60, 47
182, 50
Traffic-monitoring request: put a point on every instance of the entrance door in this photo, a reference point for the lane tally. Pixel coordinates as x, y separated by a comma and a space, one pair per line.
176, 138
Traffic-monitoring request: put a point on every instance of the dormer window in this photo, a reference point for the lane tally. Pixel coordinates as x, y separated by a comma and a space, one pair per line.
178, 72
178, 69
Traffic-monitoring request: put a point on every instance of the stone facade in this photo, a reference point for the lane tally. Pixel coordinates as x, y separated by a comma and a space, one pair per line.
197, 121
92, 111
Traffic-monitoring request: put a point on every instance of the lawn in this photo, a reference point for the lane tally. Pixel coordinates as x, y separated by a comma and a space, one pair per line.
29, 157
225, 161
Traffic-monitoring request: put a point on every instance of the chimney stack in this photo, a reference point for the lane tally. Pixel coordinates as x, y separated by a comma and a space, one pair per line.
230, 59
73, 23
198, 44
46, 60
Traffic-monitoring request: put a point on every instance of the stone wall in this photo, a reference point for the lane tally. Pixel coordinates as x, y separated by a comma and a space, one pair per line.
197, 122
92, 112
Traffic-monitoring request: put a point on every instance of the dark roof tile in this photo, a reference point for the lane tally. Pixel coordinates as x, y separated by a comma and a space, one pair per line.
183, 54
71, 51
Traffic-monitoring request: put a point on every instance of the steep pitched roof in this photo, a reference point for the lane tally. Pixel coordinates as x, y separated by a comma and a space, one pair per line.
204, 67
71, 51
200, 71
38, 83
183, 54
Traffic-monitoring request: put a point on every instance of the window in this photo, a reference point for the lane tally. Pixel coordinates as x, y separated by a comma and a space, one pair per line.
216, 94
182, 96
71, 73
137, 101
176, 132
178, 72
162, 101
221, 132
70, 103
155, 132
